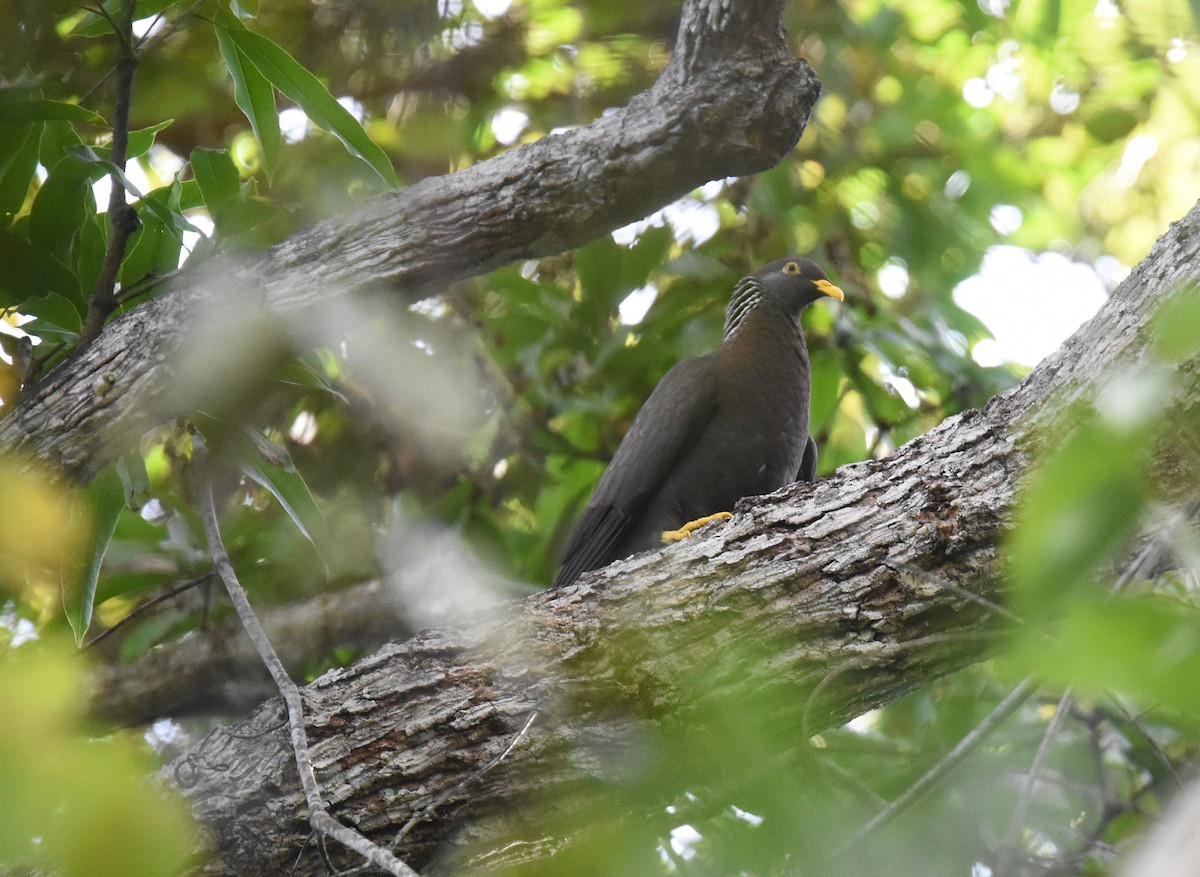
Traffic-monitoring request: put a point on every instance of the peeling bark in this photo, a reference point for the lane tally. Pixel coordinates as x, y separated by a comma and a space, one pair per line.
858, 581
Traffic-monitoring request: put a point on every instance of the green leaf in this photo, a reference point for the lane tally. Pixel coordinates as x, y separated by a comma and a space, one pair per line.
153, 250
216, 175
94, 25
30, 270
150, 632
142, 139
17, 108
102, 166
287, 75
157, 202
57, 318
105, 499
62, 205
293, 495
58, 139
826, 379
18, 164
173, 221
1144, 647
599, 268
1174, 326
1078, 511
135, 481
646, 255
255, 98
90, 245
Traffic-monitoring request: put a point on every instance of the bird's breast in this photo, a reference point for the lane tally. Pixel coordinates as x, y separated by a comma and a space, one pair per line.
763, 396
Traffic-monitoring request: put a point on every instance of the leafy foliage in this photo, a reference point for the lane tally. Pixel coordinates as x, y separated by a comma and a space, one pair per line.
938, 121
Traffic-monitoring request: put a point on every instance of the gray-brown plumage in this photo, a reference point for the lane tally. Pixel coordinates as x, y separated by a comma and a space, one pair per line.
718, 427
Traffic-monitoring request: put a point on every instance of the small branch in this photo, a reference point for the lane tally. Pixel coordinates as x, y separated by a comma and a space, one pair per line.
318, 814
968, 744
860, 662
146, 607
122, 218
926, 576
427, 811
1008, 845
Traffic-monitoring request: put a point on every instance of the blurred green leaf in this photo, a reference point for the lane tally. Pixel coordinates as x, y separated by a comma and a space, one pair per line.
135, 481
294, 497
274, 453
1174, 328
18, 165
17, 108
104, 499
1076, 513
77, 805
96, 25
1143, 647
146, 634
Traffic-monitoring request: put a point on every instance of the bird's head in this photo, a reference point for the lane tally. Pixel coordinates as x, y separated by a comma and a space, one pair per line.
791, 283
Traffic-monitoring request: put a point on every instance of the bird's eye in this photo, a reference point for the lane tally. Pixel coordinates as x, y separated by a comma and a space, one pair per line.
791, 268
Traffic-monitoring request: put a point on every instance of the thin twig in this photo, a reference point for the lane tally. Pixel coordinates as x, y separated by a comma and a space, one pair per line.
428, 809
318, 814
122, 218
1155, 748
945, 765
1017, 822
926, 576
1152, 552
872, 658
1150, 555
147, 606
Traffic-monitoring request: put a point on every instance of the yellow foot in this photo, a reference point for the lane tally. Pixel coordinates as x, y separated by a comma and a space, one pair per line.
683, 532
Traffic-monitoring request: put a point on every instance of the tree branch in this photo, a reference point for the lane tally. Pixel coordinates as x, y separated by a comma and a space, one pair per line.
218, 672
122, 218
817, 570
318, 811
731, 101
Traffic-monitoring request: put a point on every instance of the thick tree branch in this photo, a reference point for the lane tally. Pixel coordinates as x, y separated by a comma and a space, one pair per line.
818, 570
731, 101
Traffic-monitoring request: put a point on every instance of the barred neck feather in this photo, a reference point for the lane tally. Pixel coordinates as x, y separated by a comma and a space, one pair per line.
746, 296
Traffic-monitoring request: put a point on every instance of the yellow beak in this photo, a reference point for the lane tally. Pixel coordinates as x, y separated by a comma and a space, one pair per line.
829, 289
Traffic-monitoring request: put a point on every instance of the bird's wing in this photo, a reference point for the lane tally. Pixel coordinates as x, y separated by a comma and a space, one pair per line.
808, 463
671, 419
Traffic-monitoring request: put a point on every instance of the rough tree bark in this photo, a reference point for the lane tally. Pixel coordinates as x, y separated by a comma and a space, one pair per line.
858, 581
731, 101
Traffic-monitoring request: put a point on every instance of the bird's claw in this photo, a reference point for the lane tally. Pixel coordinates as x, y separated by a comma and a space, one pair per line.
686, 530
